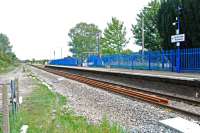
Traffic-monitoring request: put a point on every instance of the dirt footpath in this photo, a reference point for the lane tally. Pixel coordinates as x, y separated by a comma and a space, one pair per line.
25, 82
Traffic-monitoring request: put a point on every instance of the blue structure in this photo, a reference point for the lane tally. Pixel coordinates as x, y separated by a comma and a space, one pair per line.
151, 60
94, 61
68, 61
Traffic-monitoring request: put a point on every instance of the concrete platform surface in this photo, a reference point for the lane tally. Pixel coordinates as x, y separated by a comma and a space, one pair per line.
146, 73
181, 125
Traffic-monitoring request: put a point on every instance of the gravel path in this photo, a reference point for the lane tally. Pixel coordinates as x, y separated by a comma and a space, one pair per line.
95, 103
5, 78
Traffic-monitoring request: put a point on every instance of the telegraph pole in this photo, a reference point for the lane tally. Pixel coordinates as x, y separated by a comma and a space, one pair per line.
142, 35
54, 54
98, 43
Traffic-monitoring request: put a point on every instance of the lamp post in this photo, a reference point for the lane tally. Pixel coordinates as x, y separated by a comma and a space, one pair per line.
178, 58
178, 62
178, 47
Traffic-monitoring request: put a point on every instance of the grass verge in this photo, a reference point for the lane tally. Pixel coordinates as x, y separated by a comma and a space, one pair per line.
1, 123
7, 68
47, 112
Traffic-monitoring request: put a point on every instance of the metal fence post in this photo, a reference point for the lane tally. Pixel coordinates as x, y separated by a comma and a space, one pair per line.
17, 92
178, 60
132, 59
13, 97
6, 125
149, 60
172, 60
163, 61
118, 58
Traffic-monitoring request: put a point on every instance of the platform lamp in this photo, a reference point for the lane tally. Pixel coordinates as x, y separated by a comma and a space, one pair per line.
178, 61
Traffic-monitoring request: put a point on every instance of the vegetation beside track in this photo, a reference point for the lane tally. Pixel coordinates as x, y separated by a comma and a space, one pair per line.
8, 68
1, 123
47, 112
8, 59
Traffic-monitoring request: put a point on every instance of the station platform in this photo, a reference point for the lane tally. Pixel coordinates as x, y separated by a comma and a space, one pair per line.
141, 73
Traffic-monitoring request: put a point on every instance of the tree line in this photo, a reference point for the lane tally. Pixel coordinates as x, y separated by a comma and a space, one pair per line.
86, 39
7, 57
158, 18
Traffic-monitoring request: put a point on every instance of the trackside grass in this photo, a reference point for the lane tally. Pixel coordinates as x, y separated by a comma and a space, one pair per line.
47, 112
1, 123
7, 68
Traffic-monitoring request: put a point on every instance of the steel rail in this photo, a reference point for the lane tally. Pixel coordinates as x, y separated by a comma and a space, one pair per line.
110, 87
193, 101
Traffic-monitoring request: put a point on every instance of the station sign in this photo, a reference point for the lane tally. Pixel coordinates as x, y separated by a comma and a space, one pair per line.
178, 38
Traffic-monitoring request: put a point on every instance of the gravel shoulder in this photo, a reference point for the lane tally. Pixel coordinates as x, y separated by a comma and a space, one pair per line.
95, 104
150, 86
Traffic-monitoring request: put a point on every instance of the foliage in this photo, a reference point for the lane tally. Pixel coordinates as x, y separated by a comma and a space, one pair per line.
83, 39
47, 112
166, 16
152, 38
114, 37
127, 51
37, 62
7, 57
189, 22
1, 123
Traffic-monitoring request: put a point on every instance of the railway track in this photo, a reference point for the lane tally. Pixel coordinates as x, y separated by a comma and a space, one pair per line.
147, 96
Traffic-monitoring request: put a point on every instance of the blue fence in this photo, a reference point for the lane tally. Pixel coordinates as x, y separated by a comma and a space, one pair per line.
189, 60
68, 61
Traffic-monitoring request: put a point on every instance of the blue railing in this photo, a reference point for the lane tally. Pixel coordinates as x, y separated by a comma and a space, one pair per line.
190, 59
151, 60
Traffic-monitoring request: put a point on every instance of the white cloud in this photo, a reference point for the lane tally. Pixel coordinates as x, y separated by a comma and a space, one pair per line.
38, 27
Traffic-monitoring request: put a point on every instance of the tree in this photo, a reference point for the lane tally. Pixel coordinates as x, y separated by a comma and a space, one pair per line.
166, 16
189, 22
127, 51
83, 39
4, 44
6, 55
152, 39
114, 38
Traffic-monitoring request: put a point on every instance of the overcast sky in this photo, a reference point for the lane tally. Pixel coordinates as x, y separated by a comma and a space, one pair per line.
38, 27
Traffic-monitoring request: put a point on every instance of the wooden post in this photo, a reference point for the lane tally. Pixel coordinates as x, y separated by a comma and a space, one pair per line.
6, 125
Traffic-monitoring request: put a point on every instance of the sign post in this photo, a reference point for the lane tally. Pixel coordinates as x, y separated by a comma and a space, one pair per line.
177, 39
178, 50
